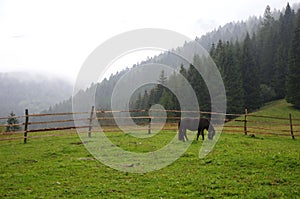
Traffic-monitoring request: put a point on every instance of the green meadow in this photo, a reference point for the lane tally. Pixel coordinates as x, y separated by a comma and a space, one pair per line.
264, 166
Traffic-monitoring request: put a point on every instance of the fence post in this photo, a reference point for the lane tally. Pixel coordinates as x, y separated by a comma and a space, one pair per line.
291, 126
26, 126
149, 126
90, 122
245, 122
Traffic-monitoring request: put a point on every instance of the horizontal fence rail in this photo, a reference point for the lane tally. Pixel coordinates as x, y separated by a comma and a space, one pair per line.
242, 123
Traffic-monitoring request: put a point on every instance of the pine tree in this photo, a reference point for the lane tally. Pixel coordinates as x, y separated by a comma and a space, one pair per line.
152, 97
219, 57
293, 78
287, 26
12, 121
267, 16
251, 83
145, 101
138, 103
280, 72
162, 78
176, 84
286, 29
267, 48
225, 59
161, 85
199, 86
233, 82
166, 100
183, 71
212, 50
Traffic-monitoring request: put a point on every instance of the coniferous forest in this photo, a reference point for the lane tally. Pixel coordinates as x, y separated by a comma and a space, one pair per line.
259, 61
262, 67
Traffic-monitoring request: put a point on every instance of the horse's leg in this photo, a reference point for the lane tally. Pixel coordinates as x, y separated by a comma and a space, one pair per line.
180, 129
185, 136
198, 133
181, 134
202, 133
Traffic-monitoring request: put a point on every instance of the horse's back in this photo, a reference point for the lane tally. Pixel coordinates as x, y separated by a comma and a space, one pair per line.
204, 123
190, 124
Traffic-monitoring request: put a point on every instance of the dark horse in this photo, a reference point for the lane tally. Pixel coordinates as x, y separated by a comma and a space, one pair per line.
194, 125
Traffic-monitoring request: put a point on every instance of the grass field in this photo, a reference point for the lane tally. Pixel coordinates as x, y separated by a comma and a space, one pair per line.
238, 167
279, 124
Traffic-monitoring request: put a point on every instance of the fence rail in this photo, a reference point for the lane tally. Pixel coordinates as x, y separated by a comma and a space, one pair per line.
284, 126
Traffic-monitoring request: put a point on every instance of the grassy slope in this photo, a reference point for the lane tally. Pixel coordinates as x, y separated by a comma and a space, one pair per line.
238, 167
280, 109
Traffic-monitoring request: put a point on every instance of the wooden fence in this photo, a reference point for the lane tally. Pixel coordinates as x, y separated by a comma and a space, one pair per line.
242, 123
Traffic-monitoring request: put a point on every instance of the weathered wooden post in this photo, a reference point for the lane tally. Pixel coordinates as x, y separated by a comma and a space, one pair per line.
149, 126
91, 122
291, 127
26, 125
245, 122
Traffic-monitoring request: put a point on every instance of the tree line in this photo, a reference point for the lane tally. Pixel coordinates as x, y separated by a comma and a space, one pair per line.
265, 66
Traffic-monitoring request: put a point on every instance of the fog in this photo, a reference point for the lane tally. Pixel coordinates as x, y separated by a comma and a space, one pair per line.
56, 37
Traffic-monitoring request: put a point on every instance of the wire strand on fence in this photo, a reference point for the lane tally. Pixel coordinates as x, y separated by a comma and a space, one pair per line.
56, 129
12, 132
267, 129
6, 125
58, 121
268, 122
56, 114
269, 117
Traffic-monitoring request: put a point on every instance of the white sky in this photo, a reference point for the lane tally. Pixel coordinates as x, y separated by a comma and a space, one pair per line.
56, 36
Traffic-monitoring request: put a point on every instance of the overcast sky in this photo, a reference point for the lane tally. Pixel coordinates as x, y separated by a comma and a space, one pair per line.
56, 36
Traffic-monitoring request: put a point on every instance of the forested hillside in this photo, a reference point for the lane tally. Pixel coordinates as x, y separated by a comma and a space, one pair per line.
262, 67
258, 60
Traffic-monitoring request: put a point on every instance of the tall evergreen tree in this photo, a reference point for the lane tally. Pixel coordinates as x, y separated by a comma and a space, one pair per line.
166, 100
267, 47
162, 78
280, 70
285, 33
198, 84
267, 20
152, 97
212, 50
161, 85
225, 59
138, 102
145, 101
183, 71
233, 82
219, 57
251, 83
293, 78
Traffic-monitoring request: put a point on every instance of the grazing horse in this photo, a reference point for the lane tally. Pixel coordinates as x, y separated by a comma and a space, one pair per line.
194, 125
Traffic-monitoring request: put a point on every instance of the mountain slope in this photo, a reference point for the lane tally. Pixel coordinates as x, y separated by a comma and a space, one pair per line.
230, 32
